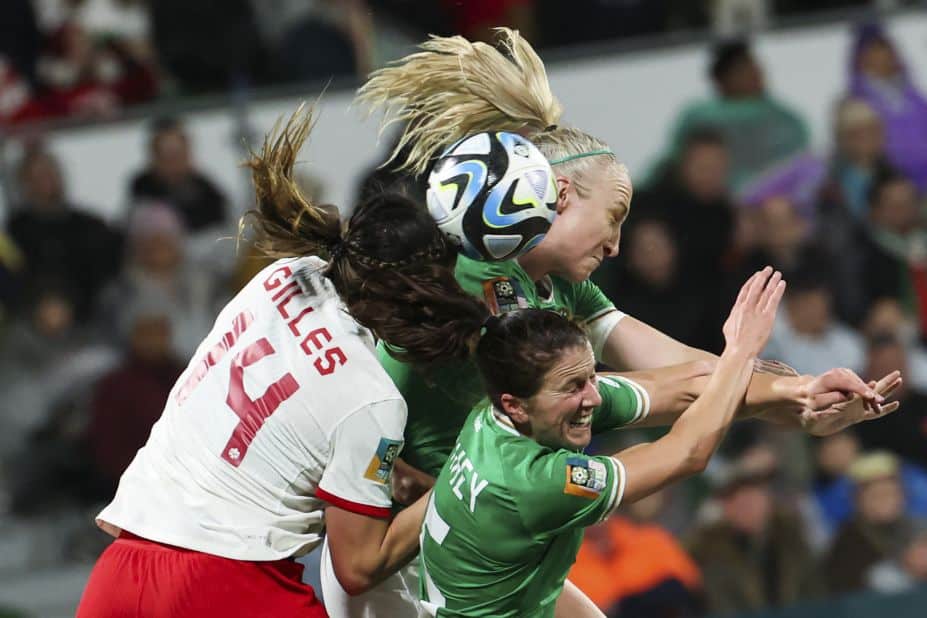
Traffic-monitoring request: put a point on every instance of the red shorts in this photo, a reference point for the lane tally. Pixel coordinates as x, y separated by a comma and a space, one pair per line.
140, 578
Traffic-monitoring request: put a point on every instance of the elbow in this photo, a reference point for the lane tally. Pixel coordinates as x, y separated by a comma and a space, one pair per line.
356, 583
695, 460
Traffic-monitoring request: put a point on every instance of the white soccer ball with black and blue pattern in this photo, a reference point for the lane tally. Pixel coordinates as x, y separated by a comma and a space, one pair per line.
493, 194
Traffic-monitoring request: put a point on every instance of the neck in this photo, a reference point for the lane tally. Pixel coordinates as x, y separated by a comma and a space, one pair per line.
534, 264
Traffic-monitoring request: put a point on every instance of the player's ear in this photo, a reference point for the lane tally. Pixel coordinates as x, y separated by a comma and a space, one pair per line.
563, 188
514, 408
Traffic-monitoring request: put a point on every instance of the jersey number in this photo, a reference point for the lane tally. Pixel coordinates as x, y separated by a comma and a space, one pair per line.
251, 412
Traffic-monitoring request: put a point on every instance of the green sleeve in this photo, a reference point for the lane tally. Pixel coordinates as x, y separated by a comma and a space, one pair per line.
563, 490
589, 302
623, 402
472, 274
438, 404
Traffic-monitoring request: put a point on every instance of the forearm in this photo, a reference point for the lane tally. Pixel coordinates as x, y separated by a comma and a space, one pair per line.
366, 550
573, 603
671, 390
400, 543
688, 446
634, 346
702, 426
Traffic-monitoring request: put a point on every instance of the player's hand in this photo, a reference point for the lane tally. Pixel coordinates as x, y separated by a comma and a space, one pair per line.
408, 484
748, 326
836, 408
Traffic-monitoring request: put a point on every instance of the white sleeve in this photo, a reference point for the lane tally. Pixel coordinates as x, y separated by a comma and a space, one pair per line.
600, 326
363, 449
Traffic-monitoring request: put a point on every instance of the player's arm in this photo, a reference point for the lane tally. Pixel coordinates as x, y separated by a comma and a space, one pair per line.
366, 543
688, 446
785, 400
365, 550
573, 603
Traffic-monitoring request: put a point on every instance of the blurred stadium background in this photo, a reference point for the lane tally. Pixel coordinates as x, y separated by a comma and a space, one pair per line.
756, 131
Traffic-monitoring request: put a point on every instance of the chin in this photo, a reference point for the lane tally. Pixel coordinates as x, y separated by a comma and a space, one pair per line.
578, 439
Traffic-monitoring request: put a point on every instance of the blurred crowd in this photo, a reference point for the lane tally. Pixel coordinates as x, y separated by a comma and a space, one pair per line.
782, 518
94, 58
99, 318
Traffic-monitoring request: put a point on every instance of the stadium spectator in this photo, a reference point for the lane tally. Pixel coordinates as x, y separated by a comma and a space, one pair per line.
85, 77
877, 75
208, 45
904, 571
906, 434
833, 488
859, 154
879, 528
11, 265
47, 359
783, 238
317, 39
694, 198
894, 248
57, 238
631, 567
581, 21
476, 19
760, 131
20, 39
172, 177
156, 265
756, 556
887, 317
807, 335
124, 20
649, 281
128, 400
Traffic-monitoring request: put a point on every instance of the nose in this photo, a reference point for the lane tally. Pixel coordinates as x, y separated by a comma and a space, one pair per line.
610, 248
591, 396
611, 245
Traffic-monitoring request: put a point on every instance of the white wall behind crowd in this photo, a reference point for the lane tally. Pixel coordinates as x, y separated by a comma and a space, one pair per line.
629, 100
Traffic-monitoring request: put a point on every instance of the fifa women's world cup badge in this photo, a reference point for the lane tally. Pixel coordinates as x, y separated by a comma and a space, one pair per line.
585, 477
503, 294
381, 465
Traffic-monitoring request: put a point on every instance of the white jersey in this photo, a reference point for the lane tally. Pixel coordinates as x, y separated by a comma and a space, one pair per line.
283, 408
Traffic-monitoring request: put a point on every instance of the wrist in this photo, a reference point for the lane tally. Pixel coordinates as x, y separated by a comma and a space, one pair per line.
792, 391
739, 354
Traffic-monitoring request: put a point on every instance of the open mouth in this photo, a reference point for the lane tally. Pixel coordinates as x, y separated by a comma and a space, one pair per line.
581, 420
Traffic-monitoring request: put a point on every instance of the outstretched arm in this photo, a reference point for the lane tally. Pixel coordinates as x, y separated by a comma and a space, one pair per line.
783, 399
692, 440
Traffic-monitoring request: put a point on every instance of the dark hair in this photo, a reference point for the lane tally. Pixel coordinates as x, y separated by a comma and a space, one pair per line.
519, 347
725, 55
885, 175
161, 125
703, 136
390, 264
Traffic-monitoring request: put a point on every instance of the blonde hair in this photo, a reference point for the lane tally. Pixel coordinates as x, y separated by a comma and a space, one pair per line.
455, 87
390, 264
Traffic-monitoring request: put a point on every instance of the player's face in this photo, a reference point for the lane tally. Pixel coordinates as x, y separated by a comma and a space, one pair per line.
560, 414
588, 226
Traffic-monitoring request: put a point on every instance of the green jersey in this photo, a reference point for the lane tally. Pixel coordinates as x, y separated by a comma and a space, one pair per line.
440, 401
506, 518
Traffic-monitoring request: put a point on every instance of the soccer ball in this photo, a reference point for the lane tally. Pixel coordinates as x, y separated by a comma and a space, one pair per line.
493, 194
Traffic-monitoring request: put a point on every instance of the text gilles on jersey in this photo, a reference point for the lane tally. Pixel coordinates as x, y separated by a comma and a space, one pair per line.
313, 342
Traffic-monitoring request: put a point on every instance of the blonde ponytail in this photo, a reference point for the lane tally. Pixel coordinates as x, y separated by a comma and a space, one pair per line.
455, 87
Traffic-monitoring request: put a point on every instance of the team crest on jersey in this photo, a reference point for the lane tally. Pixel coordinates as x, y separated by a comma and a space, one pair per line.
381, 465
585, 477
503, 294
